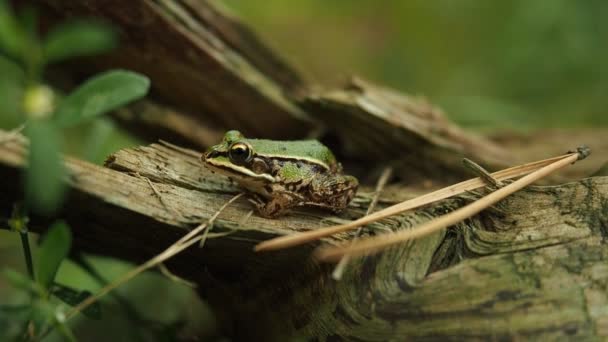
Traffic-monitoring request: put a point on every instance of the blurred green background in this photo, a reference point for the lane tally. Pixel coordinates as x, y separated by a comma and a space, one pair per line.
491, 65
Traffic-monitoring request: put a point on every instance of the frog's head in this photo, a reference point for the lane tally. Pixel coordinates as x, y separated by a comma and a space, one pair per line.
234, 157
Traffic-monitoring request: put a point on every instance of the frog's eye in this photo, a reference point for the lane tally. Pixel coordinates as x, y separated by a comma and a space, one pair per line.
240, 153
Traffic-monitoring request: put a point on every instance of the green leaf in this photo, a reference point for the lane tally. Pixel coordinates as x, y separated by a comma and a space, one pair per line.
11, 72
13, 309
44, 185
17, 279
73, 297
101, 94
77, 39
42, 316
12, 38
54, 248
13, 321
22, 282
11, 91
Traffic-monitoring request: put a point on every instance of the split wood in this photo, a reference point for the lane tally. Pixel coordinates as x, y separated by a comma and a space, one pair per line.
468, 185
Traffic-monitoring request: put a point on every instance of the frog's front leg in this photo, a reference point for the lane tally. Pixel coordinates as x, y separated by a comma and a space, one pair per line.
280, 203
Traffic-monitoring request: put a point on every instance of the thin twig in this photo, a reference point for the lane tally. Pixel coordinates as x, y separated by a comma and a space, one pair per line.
378, 243
202, 226
177, 247
205, 235
341, 266
245, 218
482, 173
212, 220
158, 195
471, 184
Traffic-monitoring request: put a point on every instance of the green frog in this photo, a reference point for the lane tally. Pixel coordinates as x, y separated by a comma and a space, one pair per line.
280, 175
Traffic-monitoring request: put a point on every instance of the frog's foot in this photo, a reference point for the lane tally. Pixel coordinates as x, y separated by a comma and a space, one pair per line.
276, 206
334, 193
336, 203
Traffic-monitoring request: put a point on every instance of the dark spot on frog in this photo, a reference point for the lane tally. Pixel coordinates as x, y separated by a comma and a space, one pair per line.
283, 148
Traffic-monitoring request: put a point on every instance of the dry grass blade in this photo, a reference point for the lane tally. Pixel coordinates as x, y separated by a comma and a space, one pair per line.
188, 240
341, 266
471, 184
378, 243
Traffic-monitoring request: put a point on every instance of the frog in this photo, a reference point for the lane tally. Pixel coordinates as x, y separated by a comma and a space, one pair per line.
280, 175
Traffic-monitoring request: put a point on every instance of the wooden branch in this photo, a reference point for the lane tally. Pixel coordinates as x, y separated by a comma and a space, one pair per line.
533, 267
381, 124
151, 120
200, 60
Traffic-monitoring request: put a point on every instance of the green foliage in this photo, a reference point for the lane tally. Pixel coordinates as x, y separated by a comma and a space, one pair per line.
42, 313
44, 186
76, 39
13, 328
11, 35
11, 88
54, 248
101, 94
493, 64
23, 282
24, 95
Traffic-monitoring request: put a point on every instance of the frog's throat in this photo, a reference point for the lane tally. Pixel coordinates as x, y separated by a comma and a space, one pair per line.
239, 171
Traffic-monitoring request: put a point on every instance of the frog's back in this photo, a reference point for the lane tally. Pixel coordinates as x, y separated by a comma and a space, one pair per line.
311, 150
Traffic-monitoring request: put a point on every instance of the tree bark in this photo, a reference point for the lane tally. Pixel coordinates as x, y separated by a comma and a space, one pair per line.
533, 267
200, 60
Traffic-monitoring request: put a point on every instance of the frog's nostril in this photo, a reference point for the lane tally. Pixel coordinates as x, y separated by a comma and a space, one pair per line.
209, 155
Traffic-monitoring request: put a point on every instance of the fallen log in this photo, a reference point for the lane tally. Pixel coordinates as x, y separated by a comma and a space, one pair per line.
533, 267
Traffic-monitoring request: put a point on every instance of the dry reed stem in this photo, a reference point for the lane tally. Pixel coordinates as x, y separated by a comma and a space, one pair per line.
468, 185
375, 244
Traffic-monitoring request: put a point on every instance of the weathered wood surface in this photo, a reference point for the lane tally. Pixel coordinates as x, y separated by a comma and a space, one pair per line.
533, 267
385, 126
200, 60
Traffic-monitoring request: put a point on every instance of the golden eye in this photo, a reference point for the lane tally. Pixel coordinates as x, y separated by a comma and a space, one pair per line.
240, 153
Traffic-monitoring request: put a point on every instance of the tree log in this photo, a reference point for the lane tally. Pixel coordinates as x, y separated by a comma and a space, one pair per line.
533, 267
